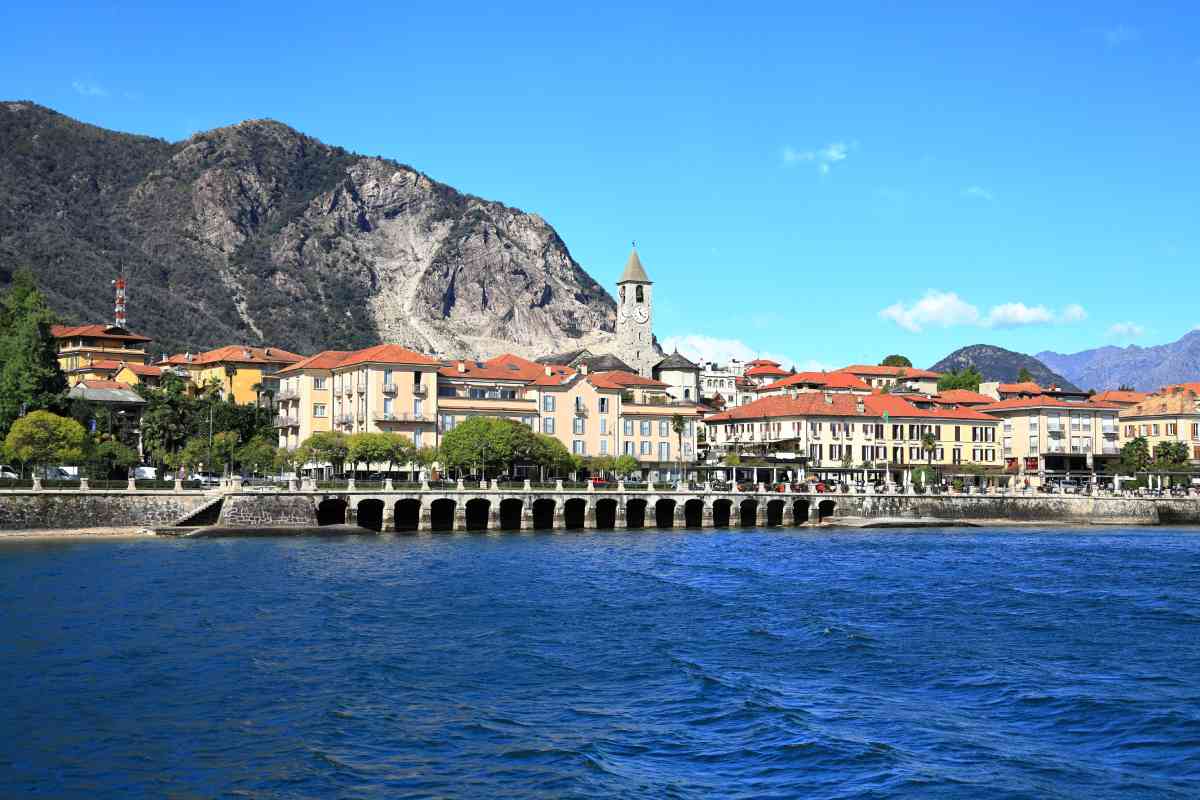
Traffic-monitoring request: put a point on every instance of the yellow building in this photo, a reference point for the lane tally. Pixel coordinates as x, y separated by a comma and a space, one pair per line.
1171, 416
96, 352
242, 374
304, 401
387, 388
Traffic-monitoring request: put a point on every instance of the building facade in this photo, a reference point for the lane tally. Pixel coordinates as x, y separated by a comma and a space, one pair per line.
241, 374
1173, 416
634, 343
1046, 438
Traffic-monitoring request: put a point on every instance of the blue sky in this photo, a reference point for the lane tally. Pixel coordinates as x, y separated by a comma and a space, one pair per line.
823, 185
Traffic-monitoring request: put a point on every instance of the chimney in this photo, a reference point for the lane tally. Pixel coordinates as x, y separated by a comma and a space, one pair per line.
188, 356
267, 351
828, 399
583, 368
859, 405
549, 371
462, 366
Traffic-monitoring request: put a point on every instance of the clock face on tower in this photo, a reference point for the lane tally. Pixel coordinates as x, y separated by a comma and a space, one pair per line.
642, 314
622, 314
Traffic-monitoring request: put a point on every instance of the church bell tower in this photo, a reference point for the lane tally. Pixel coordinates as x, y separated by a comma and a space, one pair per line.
635, 317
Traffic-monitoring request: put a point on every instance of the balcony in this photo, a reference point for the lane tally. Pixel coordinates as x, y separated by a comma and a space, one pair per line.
581, 411
286, 422
361, 386
347, 390
390, 389
387, 416
344, 419
419, 390
287, 394
362, 417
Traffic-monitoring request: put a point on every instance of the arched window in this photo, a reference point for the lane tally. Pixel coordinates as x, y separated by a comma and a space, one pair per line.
622, 294
640, 296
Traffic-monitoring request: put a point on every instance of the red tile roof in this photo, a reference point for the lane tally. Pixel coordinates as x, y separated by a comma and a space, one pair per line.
326, 359
765, 371
144, 369
98, 331
1042, 401
963, 397
819, 404
1122, 396
388, 354
889, 372
235, 354
1192, 386
832, 380
91, 384
1026, 387
618, 379
762, 362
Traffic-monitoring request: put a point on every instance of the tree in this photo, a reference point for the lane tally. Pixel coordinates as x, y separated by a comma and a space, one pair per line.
326, 446
230, 373
109, 457
551, 454
427, 456
194, 454
929, 445
604, 465
896, 360
259, 455
40, 438
1170, 455
168, 418
679, 425
369, 448
30, 378
224, 448
732, 459
626, 465
485, 442
1024, 376
400, 450
969, 378
1135, 456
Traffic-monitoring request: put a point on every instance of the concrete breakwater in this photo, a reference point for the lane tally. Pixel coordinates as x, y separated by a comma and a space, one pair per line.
495, 509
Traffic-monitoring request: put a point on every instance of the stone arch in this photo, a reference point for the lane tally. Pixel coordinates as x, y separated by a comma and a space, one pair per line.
722, 512
408, 514
774, 513
370, 514
510, 513
664, 513
825, 509
800, 510
693, 513
543, 514
477, 510
606, 513
748, 513
332, 511
574, 513
635, 513
441, 514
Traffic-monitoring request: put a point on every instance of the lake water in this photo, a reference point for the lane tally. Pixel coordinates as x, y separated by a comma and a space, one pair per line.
717, 664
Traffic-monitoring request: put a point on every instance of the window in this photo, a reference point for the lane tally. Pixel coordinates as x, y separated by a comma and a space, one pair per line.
417, 407
547, 424
645, 448
604, 447
664, 428
687, 394
1172, 429
318, 409
447, 423
318, 383
547, 402
577, 447
577, 425
602, 404
645, 427
629, 449
628, 426
416, 438
387, 406
664, 451
604, 424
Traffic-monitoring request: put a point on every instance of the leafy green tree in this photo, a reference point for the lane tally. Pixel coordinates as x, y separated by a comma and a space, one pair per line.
110, 457
929, 445
368, 449
896, 360
426, 457
168, 419
41, 439
327, 446
194, 454
1170, 455
969, 378
259, 456
1024, 376
602, 465
551, 455
30, 378
1135, 456
487, 442
224, 448
625, 465
400, 450
732, 459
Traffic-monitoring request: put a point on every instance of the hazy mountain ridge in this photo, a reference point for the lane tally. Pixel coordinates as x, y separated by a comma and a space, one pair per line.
255, 233
998, 364
1144, 368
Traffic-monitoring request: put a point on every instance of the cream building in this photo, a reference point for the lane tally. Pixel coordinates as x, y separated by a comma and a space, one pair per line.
304, 403
912, 379
1173, 416
681, 376
1044, 437
387, 389
803, 382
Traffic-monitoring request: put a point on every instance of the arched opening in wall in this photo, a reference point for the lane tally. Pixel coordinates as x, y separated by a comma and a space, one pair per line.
722, 511
800, 509
606, 513
370, 515
640, 294
543, 515
825, 510
635, 513
441, 514
693, 513
510, 514
332, 511
477, 514
664, 513
748, 513
774, 513
574, 511
408, 515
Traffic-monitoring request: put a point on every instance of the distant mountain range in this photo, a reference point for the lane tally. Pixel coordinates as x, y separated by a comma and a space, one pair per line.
998, 364
1144, 368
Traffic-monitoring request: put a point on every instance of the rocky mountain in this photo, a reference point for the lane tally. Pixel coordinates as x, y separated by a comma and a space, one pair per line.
998, 364
1144, 368
258, 234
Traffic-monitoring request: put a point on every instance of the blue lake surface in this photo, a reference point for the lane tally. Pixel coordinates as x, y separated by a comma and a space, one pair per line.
686, 664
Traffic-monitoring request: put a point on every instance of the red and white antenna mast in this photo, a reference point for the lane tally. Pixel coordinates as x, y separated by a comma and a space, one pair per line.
119, 305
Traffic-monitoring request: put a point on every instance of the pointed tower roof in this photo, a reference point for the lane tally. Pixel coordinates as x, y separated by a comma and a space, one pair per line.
634, 271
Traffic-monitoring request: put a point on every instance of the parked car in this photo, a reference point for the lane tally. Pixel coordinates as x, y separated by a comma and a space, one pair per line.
720, 486
206, 478
145, 473
8, 473
597, 481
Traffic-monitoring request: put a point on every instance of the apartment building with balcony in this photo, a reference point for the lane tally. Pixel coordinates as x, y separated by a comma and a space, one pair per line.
912, 379
304, 401
387, 388
503, 387
97, 352
1044, 436
1171, 416
243, 374
804, 382
826, 432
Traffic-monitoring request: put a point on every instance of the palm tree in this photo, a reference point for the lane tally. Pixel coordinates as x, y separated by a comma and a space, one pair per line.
679, 426
230, 371
258, 393
929, 445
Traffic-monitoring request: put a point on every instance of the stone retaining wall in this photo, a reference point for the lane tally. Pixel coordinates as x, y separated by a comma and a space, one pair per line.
1051, 508
267, 511
63, 510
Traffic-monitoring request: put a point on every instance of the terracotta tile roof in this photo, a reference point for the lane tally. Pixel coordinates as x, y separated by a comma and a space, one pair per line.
388, 354
489, 370
1182, 402
235, 354
99, 364
100, 331
144, 369
617, 379
876, 370
1027, 387
326, 359
1122, 396
764, 371
93, 384
819, 404
963, 397
832, 380
762, 362
1193, 387
1042, 401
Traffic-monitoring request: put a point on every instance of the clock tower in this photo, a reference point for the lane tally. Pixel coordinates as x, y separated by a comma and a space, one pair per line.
635, 317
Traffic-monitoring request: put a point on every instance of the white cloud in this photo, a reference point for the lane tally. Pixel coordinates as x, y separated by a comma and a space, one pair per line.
1120, 34
1125, 330
89, 89
946, 310
829, 154
699, 347
978, 193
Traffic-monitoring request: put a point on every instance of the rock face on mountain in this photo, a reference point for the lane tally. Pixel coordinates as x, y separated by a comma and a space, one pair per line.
256, 233
998, 364
1144, 368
